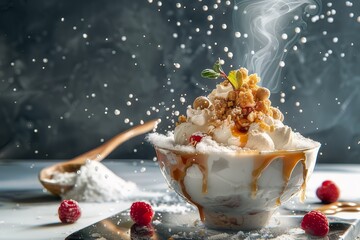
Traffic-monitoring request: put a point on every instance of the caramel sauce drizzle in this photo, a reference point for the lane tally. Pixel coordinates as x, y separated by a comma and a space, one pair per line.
290, 160
289, 163
261, 162
303, 186
336, 207
259, 166
243, 137
178, 173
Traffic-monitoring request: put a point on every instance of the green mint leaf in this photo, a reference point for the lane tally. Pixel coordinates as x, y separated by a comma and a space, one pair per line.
239, 78
210, 73
217, 67
232, 79
236, 79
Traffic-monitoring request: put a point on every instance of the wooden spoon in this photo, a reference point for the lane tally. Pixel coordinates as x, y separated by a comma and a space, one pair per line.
97, 154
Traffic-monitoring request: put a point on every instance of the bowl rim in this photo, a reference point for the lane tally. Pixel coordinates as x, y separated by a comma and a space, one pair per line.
239, 151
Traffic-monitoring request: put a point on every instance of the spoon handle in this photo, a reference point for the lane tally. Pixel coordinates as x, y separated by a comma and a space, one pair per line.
106, 148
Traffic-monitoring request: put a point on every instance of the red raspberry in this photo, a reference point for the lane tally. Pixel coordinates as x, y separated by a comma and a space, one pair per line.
141, 213
69, 211
328, 192
195, 138
139, 232
315, 223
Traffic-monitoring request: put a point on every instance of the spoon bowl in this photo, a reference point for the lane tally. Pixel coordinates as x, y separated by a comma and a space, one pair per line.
96, 154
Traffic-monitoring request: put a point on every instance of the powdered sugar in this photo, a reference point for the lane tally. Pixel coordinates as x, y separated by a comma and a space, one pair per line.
64, 179
94, 182
207, 145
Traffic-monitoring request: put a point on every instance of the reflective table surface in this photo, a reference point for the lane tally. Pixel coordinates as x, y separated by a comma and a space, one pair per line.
27, 211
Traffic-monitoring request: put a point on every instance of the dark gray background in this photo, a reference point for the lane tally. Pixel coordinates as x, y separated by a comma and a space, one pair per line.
67, 66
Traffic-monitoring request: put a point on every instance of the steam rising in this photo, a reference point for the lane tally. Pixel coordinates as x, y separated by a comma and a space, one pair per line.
272, 26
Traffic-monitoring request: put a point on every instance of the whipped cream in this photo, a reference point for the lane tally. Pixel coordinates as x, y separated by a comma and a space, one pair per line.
242, 118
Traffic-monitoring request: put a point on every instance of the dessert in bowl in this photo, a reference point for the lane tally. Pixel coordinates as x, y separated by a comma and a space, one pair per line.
237, 190
232, 157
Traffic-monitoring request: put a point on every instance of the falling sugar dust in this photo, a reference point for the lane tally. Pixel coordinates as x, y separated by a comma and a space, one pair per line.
271, 27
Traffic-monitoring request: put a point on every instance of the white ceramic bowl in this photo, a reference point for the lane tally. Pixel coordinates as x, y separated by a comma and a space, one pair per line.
238, 190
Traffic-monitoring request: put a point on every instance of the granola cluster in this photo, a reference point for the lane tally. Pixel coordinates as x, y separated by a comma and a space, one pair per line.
248, 104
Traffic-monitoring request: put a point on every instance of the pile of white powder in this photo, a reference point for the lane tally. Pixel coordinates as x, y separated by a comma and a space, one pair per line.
94, 182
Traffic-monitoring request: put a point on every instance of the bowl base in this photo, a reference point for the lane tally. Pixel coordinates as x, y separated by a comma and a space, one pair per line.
236, 221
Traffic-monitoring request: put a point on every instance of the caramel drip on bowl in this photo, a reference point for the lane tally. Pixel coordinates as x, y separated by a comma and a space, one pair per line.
289, 159
289, 163
303, 185
260, 164
178, 173
180, 162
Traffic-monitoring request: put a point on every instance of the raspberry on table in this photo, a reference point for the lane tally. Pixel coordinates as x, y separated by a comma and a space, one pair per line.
328, 192
69, 211
315, 223
141, 213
